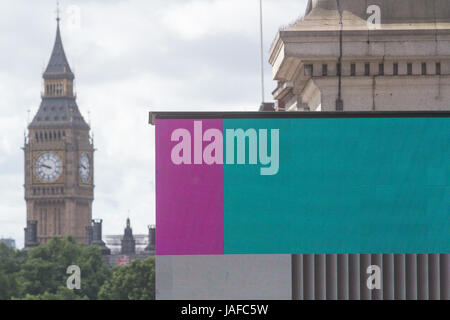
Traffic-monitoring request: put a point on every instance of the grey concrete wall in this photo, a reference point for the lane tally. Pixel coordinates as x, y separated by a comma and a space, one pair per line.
229, 277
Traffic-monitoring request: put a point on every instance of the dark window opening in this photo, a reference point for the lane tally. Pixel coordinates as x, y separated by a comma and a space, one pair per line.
424, 69
395, 69
438, 68
367, 69
381, 69
409, 69
353, 70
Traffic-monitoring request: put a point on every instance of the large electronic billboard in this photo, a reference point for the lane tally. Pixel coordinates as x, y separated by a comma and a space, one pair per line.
302, 183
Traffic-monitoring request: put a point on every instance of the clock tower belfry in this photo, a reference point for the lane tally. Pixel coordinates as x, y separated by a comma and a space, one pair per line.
59, 159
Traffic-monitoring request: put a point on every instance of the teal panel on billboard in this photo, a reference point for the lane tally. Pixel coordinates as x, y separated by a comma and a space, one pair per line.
343, 185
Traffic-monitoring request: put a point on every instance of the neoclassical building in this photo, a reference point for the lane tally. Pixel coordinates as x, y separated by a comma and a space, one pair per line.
332, 59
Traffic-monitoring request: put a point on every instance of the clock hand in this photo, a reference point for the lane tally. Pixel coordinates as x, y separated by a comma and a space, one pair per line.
45, 166
83, 167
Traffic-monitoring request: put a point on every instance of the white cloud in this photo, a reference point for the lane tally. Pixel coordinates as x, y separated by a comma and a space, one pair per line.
199, 18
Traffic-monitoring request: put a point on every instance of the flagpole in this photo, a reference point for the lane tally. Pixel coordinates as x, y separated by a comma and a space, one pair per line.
262, 49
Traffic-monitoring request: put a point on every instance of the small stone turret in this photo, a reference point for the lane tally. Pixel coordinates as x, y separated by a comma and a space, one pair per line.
151, 238
94, 236
31, 235
128, 241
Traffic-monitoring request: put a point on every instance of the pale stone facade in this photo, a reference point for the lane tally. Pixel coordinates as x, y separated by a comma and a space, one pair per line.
403, 65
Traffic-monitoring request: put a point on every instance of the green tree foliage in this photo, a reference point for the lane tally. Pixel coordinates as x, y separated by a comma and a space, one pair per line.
40, 274
133, 282
10, 263
62, 293
44, 271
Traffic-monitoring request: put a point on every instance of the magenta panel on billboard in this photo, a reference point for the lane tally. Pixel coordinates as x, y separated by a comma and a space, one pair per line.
189, 198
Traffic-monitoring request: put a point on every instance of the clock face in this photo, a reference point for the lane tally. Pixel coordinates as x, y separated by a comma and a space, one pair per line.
85, 168
48, 167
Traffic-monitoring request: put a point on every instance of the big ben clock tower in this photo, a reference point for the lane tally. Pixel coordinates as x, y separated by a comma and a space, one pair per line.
59, 158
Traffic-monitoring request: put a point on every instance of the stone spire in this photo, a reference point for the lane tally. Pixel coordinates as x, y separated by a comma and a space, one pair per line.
128, 241
58, 67
58, 106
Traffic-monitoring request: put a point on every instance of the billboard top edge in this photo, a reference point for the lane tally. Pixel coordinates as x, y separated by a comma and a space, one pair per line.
287, 115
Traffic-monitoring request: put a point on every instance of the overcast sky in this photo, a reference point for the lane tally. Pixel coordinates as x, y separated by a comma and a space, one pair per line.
129, 58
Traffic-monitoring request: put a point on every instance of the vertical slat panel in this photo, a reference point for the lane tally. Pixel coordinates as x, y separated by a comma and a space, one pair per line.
353, 274
411, 277
388, 277
445, 276
434, 281
377, 260
399, 271
320, 277
343, 277
297, 277
332, 277
365, 262
422, 277
308, 277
